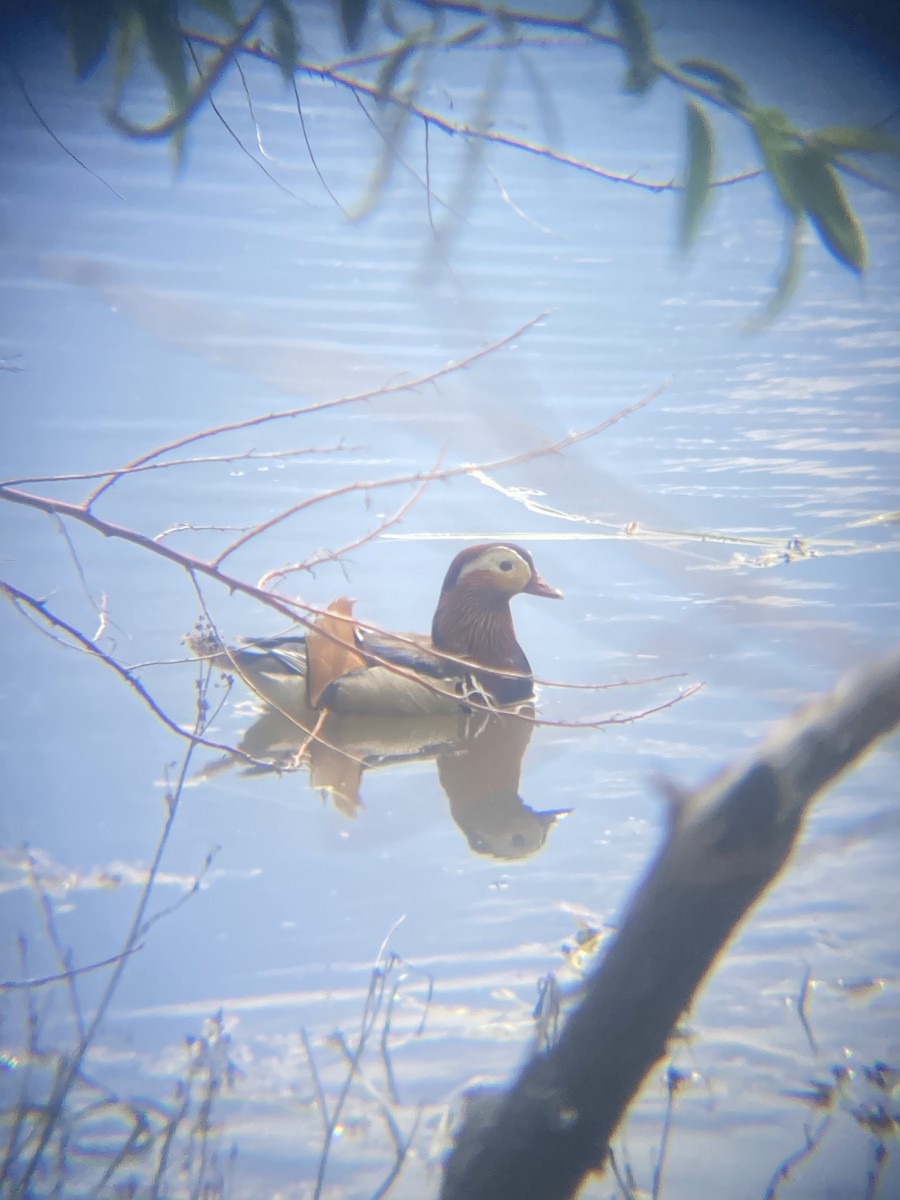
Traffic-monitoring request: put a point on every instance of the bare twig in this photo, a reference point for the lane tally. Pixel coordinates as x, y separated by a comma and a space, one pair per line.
388, 389
802, 1000
183, 898
44, 980
20, 1111
400, 1159
442, 473
810, 1146
47, 129
63, 957
309, 151
294, 609
40, 608
71, 1066
673, 1082
371, 1007
310, 564
246, 456
321, 1099
228, 129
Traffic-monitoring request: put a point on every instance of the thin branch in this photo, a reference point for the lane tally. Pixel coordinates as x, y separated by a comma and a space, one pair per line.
369, 1015
72, 1065
44, 980
309, 151
296, 610
64, 958
360, 87
247, 456
183, 898
40, 608
321, 1099
370, 536
65, 149
352, 1060
673, 1081
228, 129
810, 1146
442, 474
425, 183
99, 608
402, 1152
388, 389
802, 1000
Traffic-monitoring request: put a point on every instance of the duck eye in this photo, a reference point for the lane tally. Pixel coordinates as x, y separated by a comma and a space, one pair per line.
506, 565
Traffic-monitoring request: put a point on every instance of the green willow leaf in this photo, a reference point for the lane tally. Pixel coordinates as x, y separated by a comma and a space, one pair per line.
392, 67
777, 141
126, 41
733, 91
637, 42
465, 36
591, 13
166, 45
285, 41
844, 139
177, 142
786, 283
390, 20
353, 18
221, 9
701, 154
89, 27
827, 206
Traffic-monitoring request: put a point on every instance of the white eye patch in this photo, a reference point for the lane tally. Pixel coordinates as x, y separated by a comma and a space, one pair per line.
500, 559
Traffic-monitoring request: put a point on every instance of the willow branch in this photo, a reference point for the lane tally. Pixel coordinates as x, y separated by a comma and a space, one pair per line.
360, 87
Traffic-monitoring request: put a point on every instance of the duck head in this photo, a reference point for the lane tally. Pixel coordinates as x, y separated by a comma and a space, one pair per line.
473, 621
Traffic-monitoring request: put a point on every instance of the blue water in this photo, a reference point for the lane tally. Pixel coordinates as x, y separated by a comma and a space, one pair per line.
210, 296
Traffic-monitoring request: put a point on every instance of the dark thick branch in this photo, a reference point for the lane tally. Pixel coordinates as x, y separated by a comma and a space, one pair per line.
725, 845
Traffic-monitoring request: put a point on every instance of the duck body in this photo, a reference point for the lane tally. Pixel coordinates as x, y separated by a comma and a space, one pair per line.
278, 669
344, 669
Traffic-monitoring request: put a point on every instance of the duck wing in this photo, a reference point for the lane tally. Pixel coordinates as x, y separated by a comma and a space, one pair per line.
278, 667
421, 685
332, 649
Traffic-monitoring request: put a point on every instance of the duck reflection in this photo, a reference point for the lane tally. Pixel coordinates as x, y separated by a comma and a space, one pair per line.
478, 754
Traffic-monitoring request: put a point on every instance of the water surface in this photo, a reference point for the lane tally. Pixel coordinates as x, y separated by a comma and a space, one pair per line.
213, 297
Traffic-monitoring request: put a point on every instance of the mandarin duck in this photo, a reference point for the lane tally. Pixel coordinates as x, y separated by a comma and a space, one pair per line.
340, 668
